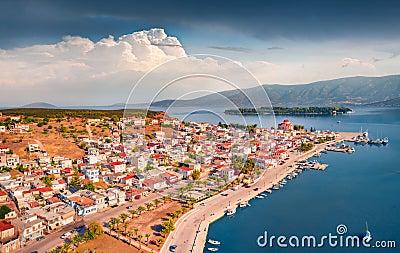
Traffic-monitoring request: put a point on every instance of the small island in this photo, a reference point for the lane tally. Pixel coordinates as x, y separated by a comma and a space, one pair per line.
290, 111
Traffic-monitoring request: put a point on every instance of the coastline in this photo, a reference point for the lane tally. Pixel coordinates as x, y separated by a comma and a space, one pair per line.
191, 229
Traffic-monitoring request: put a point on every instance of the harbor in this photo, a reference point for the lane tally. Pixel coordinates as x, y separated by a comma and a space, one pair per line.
192, 228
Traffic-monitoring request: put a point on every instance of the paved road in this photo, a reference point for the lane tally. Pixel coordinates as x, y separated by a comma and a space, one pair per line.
191, 229
53, 240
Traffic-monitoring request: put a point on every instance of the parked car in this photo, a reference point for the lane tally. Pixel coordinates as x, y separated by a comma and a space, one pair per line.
172, 248
40, 238
65, 235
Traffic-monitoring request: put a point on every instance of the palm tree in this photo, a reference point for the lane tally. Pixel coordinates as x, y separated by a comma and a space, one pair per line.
118, 229
123, 217
178, 212
141, 209
183, 209
140, 237
136, 230
65, 247
149, 206
157, 202
76, 239
129, 234
147, 237
159, 241
133, 212
125, 227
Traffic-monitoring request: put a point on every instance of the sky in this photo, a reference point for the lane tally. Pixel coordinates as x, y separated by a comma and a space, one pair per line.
99, 52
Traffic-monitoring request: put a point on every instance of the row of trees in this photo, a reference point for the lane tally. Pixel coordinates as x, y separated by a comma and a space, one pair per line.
94, 230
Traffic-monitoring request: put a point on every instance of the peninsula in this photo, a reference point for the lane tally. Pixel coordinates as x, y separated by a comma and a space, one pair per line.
290, 111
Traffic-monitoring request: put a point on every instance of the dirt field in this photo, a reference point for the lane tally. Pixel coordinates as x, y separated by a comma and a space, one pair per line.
106, 244
150, 222
55, 142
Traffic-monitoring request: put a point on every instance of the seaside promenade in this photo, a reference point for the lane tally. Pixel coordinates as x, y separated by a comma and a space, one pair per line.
191, 229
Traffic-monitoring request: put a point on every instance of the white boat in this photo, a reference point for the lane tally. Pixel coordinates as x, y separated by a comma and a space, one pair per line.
259, 197
213, 249
243, 204
263, 194
275, 187
230, 212
368, 236
268, 191
214, 242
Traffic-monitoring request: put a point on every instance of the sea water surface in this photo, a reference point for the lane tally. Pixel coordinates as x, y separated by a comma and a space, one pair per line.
359, 187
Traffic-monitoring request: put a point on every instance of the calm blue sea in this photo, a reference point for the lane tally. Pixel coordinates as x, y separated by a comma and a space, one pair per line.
359, 187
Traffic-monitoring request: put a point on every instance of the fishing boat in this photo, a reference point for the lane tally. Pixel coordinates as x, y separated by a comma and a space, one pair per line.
368, 236
230, 212
213, 249
351, 150
243, 204
214, 242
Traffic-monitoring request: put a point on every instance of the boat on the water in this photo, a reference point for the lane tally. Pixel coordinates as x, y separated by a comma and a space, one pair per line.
275, 187
230, 212
213, 249
268, 191
368, 236
259, 197
385, 141
214, 242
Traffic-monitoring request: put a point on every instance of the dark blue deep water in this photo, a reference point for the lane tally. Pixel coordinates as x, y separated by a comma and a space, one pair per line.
359, 187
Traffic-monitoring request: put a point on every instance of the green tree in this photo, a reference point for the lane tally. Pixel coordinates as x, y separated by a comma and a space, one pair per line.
47, 181
248, 166
159, 241
89, 186
140, 237
156, 202
149, 206
3, 211
125, 227
141, 209
75, 181
147, 237
94, 230
196, 174
129, 234
123, 217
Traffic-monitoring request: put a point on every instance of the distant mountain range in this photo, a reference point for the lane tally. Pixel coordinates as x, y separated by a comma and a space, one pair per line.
40, 105
343, 91
395, 102
361, 91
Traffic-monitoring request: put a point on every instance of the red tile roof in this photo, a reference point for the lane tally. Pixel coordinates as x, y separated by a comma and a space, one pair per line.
116, 163
4, 225
186, 168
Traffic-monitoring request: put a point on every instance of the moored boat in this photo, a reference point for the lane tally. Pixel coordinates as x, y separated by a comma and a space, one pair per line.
230, 212
214, 242
213, 249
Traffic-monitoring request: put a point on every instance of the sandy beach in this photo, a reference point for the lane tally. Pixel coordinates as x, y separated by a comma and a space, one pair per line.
191, 229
